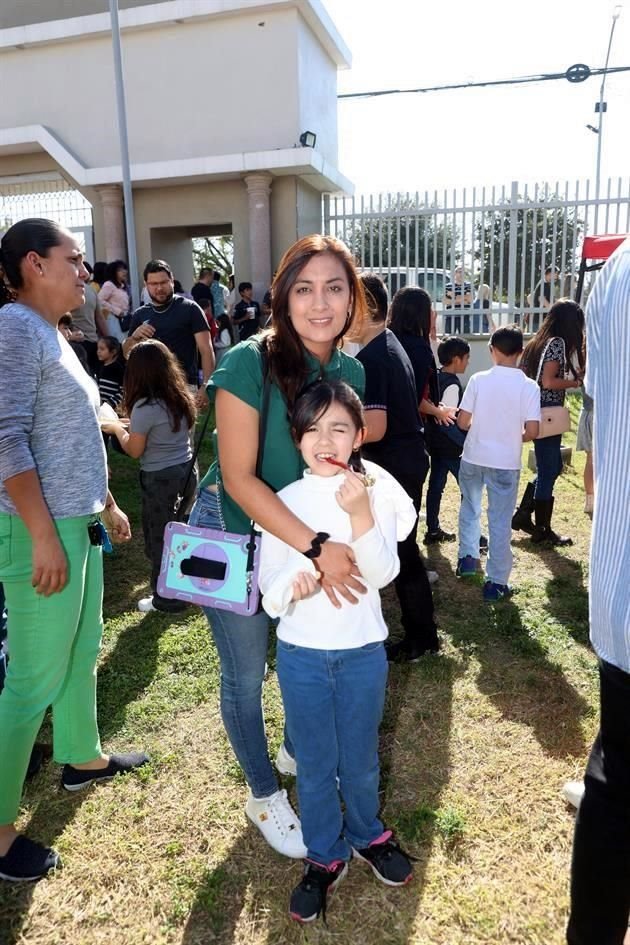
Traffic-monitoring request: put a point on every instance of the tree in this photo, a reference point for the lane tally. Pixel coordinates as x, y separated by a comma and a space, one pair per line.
402, 233
545, 236
216, 253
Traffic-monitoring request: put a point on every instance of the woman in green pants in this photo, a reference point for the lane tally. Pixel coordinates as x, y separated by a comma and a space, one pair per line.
53, 488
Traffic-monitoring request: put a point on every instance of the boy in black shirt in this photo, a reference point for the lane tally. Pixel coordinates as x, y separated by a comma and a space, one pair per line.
246, 312
445, 442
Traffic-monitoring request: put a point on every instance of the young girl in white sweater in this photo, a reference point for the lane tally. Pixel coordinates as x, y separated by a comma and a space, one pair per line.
331, 660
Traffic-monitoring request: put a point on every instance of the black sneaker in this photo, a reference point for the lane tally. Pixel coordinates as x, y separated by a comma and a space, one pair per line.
405, 651
483, 545
73, 779
308, 899
389, 863
433, 538
27, 861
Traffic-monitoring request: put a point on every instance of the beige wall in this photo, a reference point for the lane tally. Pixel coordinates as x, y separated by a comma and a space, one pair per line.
218, 86
318, 93
189, 210
21, 12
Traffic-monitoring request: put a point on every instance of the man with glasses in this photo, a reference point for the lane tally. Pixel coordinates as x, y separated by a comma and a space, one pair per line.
176, 321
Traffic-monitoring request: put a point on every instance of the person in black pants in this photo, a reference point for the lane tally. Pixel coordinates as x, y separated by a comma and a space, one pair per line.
394, 440
600, 870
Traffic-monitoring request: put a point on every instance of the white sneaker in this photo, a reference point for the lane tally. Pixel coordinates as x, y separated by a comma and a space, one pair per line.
278, 823
285, 763
573, 792
433, 577
145, 605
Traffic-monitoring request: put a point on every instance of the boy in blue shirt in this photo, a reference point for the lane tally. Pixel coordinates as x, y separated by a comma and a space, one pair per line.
500, 410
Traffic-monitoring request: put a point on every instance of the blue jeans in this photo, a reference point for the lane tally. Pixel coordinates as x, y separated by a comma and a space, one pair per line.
441, 466
334, 701
548, 465
241, 643
502, 488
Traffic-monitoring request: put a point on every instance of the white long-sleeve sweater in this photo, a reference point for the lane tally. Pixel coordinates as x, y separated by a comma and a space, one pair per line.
314, 622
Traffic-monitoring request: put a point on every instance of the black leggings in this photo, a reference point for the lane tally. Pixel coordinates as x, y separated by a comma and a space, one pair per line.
600, 871
412, 584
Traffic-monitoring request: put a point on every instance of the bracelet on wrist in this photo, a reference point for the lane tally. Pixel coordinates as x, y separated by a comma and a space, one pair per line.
316, 545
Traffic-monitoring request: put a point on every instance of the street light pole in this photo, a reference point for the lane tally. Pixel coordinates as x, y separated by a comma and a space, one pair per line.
600, 109
124, 154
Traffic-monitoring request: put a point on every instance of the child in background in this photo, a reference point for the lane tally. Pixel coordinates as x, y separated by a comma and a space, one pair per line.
74, 337
206, 307
111, 371
225, 338
331, 663
501, 411
445, 443
161, 416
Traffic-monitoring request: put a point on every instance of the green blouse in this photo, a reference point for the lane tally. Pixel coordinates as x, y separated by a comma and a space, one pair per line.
240, 373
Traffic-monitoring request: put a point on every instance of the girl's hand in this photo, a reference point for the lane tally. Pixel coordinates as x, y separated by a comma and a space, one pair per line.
339, 573
112, 426
304, 585
446, 416
352, 495
50, 566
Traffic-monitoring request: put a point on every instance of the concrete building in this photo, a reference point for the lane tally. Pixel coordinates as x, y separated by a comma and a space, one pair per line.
218, 94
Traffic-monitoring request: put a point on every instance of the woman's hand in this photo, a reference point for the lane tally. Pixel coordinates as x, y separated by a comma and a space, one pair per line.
339, 573
304, 585
50, 565
352, 495
116, 523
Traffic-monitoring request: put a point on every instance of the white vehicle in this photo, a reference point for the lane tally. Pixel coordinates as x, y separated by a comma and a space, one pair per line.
397, 277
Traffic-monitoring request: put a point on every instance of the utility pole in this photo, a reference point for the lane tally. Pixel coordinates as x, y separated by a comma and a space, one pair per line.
124, 154
600, 109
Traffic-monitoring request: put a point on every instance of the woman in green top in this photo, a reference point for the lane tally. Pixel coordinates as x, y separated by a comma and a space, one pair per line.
317, 297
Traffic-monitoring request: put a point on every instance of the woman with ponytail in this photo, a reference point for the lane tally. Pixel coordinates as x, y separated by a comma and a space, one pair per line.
51, 536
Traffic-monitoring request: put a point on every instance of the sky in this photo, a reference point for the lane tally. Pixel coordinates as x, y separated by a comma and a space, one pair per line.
477, 137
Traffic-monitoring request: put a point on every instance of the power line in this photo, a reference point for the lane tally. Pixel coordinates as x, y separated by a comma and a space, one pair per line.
581, 74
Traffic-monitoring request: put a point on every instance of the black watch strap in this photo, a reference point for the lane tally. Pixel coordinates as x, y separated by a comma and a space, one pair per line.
316, 545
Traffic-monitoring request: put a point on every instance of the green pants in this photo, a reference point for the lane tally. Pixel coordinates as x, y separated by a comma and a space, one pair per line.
53, 647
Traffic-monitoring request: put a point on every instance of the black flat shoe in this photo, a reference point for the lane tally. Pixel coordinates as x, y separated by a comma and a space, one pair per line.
75, 779
405, 651
26, 861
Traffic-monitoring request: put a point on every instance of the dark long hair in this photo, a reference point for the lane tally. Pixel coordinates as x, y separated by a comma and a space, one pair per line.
112, 270
285, 351
100, 273
410, 312
565, 319
224, 321
313, 403
154, 374
32, 235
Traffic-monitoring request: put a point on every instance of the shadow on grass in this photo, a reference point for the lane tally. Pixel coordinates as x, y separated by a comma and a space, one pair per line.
415, 767
516, 671
566, 590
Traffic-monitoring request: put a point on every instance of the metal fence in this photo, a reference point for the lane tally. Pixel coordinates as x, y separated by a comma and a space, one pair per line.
47, 195
510, 241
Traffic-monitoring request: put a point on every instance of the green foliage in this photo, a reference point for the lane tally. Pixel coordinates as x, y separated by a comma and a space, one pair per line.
545, 236
407, 235
214, 252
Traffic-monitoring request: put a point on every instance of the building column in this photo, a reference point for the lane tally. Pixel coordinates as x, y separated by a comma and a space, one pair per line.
113, 221
258, 191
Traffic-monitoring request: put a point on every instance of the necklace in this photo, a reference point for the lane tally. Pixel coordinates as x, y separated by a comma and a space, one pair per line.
159, 310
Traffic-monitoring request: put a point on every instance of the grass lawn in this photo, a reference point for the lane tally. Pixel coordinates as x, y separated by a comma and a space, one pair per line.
476, 744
